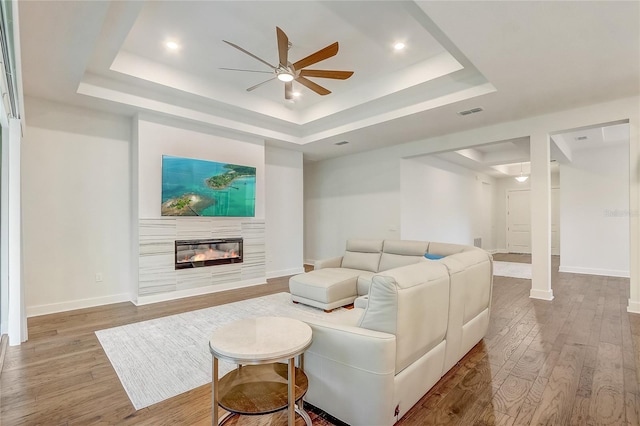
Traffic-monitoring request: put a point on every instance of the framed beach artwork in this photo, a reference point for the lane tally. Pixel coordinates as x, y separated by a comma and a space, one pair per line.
192, 187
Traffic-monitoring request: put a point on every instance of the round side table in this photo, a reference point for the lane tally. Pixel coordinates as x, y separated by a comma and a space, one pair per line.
260, 385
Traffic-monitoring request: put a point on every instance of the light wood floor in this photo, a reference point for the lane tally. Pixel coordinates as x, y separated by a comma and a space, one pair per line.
574, 361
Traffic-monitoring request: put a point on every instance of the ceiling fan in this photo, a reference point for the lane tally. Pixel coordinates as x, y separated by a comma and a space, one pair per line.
289, 72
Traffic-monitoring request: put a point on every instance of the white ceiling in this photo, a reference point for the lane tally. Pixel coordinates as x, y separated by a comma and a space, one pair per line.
515, 59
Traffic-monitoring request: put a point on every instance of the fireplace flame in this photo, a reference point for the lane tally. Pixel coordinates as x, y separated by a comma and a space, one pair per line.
211, 254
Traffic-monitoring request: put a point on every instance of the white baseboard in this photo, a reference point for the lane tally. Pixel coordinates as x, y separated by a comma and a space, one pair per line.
285, 272
541, 294
198, 291
499, 251
634, 307
37, 310
309, 262
594, 271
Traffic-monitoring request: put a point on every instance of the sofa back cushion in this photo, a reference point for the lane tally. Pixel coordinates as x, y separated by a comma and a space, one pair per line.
411, 302
363, 255
397, 253
478, 269
445, 249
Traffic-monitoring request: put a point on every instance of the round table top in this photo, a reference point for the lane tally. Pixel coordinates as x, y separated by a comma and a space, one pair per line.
260, 340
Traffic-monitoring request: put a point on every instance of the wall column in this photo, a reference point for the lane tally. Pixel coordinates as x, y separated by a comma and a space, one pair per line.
634, 212
17, 319
540, 217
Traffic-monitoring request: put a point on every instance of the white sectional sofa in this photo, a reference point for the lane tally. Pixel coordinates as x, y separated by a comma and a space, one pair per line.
340, 280
419, 320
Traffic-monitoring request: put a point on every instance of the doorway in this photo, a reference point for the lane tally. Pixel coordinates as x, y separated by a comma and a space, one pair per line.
519, 221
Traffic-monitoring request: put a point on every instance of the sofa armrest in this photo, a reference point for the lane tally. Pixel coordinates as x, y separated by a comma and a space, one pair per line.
351, 373
334, 262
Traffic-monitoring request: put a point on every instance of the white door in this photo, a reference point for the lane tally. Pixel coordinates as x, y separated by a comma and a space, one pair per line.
518, 222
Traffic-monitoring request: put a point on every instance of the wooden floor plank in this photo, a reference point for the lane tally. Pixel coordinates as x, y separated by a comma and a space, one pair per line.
556, 403
607, 405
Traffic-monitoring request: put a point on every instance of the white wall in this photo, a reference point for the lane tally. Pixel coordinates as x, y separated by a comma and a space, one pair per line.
75, 204
356, 196
445, 202
594, 212
284, 211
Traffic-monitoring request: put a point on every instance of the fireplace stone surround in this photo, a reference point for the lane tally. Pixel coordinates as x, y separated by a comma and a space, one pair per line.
157, 276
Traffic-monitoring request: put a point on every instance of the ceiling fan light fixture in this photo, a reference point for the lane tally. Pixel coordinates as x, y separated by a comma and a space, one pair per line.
285, 76
287, 71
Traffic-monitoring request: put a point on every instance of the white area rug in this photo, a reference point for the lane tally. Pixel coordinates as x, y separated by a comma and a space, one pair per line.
161, 358
512, 269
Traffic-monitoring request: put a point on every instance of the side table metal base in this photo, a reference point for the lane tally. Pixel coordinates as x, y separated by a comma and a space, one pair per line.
228, 416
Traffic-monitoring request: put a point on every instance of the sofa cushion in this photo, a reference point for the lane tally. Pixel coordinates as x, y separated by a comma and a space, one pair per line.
364, 282
445, 249
411, 302
363, 255
476, 266
397, 253
325, 285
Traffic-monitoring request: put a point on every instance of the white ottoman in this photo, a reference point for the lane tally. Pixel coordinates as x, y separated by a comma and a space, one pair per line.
327, 288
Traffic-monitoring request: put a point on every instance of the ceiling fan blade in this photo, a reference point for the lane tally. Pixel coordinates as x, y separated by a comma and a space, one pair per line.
283, 46
288, 90
259, 84
339, 75
320, 55
313, 86
236, 69
249, 53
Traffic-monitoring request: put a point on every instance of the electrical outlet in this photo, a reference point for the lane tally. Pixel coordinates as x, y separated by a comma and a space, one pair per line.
98, 277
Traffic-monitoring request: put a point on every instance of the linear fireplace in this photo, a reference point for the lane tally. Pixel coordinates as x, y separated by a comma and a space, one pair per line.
208, 252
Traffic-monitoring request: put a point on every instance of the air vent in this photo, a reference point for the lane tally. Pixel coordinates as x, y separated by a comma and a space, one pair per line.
477, 242
342, 143
581, 138
470, 111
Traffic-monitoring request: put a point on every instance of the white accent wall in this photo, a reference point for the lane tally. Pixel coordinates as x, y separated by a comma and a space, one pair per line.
442, 201
157, 278
156, 139
594, 212
75, 207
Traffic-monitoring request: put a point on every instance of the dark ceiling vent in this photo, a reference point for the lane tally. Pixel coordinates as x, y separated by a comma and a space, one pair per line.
470, 111
342, 143
581, 138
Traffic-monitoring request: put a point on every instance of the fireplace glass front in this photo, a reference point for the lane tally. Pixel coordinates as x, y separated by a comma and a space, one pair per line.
209, 252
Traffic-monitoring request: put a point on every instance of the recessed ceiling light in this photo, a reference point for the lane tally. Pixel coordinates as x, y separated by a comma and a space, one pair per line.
297, 94
399, 45
172, 45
